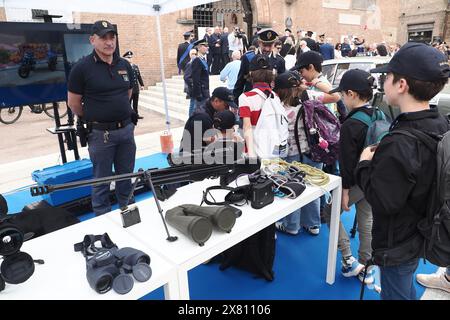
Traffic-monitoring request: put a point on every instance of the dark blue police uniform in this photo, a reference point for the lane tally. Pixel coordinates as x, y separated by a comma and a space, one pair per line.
107, 111
276, 62
200, 78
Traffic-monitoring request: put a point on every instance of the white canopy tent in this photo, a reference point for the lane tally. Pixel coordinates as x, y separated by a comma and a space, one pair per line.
127, 7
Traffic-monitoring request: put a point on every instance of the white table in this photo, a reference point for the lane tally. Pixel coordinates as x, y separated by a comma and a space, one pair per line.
187, 254
63, 275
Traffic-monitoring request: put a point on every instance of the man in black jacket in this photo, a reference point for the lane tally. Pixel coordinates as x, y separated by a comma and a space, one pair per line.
397, 175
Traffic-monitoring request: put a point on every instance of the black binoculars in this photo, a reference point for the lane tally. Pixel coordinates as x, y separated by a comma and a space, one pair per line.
17, 266
197, 222
108, 267
111, 268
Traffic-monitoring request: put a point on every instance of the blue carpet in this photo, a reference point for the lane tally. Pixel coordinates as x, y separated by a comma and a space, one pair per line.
300, 264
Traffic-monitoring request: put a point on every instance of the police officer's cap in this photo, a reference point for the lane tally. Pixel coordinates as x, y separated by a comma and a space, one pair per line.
417, 61
128, 54
187, 34
267, 36
289, 30
260, 62
201, 42
288, 79
102, 27
309, 33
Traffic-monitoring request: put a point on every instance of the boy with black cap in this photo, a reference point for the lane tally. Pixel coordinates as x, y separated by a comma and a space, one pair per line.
266, 42
397, 176
203, 118
356, 91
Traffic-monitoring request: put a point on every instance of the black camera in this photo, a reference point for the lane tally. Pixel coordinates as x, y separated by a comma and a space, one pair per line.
109, 267
17, 266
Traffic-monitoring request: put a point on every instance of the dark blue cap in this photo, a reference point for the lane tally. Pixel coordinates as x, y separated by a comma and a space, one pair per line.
260, 61
288, 79
307, 58
417, 61
102, 27
201, 42
224, 120
355, 80
224, 94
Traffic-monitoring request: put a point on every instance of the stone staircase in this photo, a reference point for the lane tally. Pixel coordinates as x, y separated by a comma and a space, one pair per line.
152, 97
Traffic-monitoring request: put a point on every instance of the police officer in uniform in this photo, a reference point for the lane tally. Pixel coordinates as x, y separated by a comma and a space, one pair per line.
266, 41
99, 90
138, 83
183, 51
200, 74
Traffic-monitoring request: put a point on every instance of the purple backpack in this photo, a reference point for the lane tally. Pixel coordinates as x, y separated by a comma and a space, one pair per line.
322, 131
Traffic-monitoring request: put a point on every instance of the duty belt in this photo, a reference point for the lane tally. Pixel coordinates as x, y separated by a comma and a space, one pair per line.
109, 125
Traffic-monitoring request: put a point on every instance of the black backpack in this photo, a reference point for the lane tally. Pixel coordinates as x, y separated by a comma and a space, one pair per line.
435, 227
254, 254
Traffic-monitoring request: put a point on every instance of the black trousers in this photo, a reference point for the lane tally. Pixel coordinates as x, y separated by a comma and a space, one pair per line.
135, 100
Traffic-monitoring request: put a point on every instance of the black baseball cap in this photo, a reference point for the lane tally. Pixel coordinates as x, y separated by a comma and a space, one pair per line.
224, 120
288, 79
102, 27
260, 61
307, 58
224, 94
417, 61
355, 80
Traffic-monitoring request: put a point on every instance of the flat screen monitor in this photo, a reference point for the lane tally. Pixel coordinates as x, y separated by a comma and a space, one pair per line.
36, 58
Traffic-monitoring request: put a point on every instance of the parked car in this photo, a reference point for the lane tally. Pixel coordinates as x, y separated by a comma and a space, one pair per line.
334, 70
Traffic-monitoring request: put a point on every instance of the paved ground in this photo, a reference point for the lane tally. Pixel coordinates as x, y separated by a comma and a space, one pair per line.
28, 138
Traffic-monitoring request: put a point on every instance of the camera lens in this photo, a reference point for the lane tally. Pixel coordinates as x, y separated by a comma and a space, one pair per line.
103, 284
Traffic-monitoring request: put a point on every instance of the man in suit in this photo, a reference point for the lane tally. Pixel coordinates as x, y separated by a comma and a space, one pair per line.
327, 49
183, 51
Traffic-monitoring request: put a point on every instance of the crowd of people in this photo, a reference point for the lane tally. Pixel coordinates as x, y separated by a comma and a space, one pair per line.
288, 69
388, 183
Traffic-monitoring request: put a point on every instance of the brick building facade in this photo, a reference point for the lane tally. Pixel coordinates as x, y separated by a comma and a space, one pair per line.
375, 20
423, 20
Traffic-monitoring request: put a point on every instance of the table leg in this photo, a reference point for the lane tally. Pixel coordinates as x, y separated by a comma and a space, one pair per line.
172, 289
183, 284
334, 232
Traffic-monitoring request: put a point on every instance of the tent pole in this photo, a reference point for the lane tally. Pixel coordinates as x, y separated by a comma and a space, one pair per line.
157, 8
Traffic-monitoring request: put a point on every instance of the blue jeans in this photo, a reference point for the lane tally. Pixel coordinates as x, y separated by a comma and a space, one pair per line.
191, 106
119, 150
308, 215
397, 283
